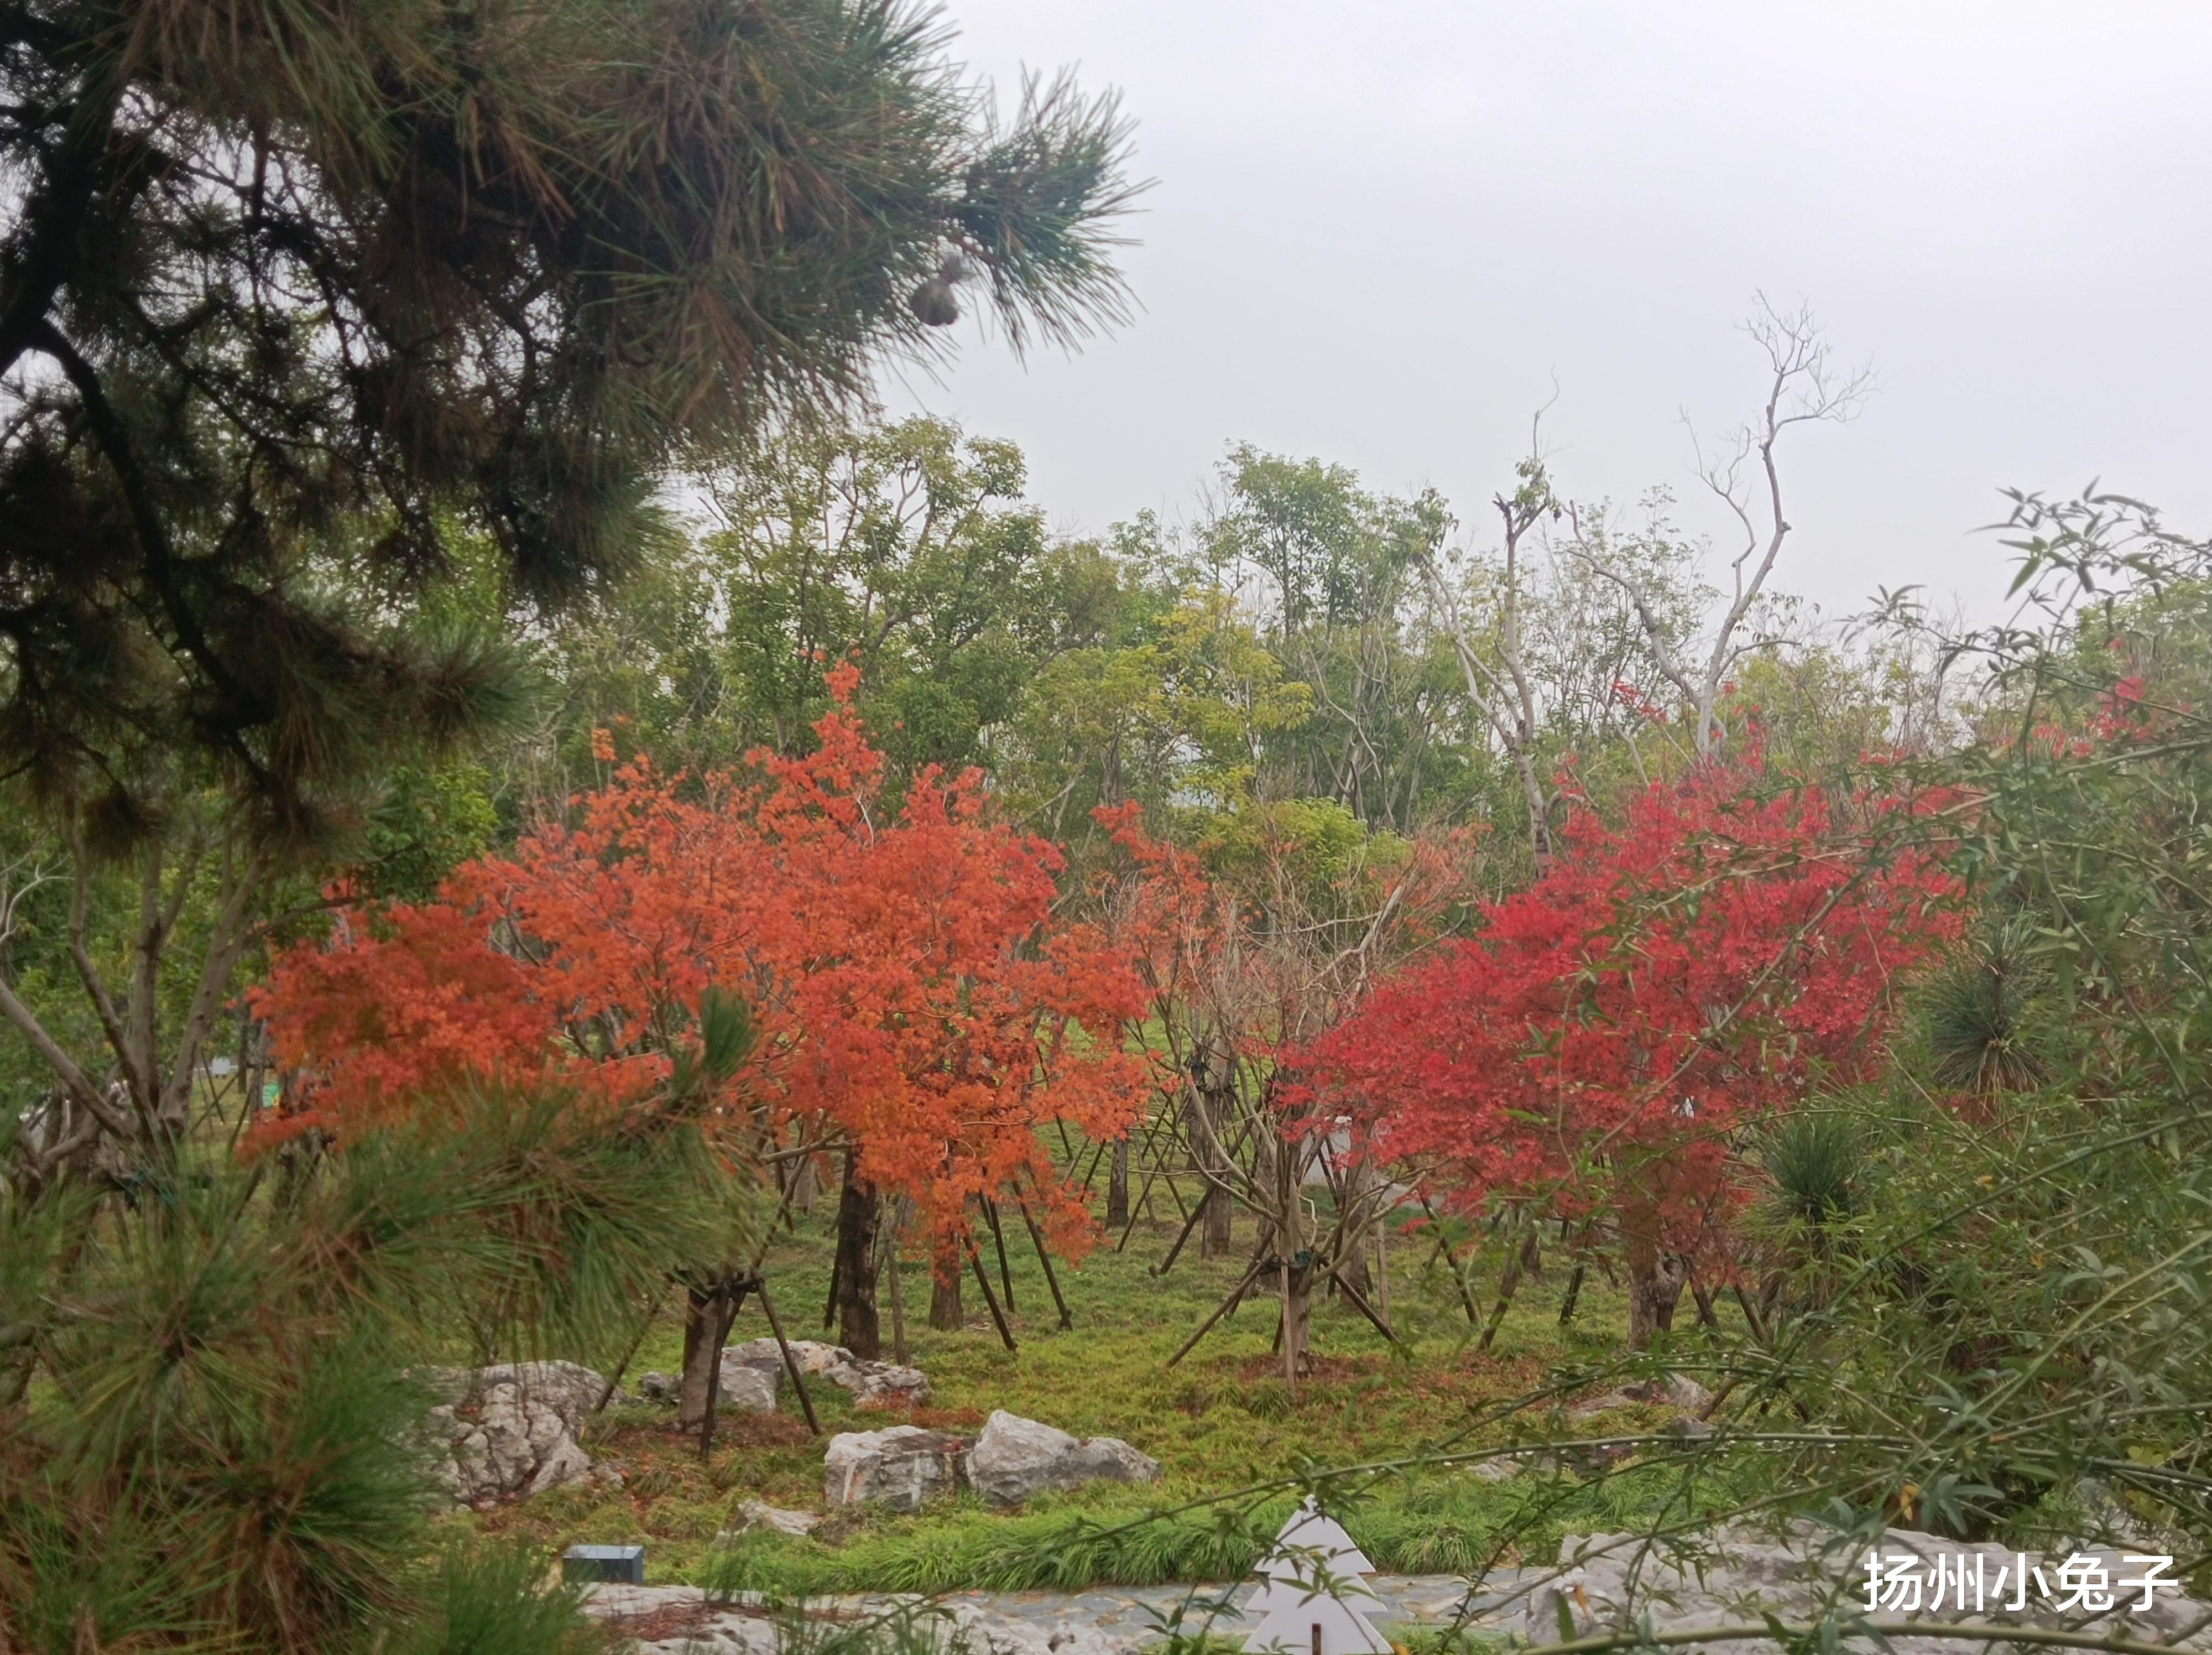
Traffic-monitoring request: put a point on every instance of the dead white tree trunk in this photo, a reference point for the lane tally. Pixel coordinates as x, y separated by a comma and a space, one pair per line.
1503, 692
1803, 386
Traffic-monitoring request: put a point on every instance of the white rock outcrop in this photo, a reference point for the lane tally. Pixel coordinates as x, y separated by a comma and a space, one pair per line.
873, 1384
981, 1628
1016, 1458
756, 1515
745, 1390
510, 1430
900, 1466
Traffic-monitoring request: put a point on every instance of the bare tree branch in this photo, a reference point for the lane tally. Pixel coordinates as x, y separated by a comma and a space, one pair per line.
1804, 386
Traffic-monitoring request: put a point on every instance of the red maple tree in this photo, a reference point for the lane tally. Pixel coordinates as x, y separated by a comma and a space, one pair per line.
913, 997
1597, 1048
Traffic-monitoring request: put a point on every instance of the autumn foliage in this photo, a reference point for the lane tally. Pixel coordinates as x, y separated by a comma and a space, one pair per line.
1599, 1046
913, 995
1280, 943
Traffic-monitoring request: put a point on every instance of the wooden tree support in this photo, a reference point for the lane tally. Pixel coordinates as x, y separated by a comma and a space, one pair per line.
1579, 1252
1153, 1172
726, 1298
898, 1297
1507, 1284
1705, 1298
1360, 1304
790, 1361
614, 1379
1236, 1296
999, 1240
1096, 1155
983, 1280
1459, 1275
1572, 1297
723, 1300
1175, 1252
1051, 1276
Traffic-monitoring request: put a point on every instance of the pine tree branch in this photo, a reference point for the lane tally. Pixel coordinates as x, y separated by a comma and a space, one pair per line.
56, 216
153, 535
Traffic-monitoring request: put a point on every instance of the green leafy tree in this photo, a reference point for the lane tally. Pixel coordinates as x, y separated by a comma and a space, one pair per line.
909, 548
1339, 569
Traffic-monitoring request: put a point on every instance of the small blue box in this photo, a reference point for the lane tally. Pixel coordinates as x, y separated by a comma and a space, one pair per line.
623, 1564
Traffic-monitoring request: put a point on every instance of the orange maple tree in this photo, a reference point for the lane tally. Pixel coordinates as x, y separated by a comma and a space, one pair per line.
913, 997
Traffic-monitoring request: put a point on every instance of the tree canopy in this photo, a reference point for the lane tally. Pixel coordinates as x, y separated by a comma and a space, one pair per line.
292, 297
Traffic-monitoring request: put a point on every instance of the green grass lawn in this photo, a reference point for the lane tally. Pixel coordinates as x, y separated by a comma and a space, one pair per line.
1221, 1419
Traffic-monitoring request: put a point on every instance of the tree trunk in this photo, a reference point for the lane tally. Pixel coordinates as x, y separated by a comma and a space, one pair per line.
1295, 1284
805, 1185
946, 1314
891, 1232
1206, 1116
1117, 1186
860, 1210
1356, 1183
1298, 1323
1656, 1278
1214, 1236
706, 1325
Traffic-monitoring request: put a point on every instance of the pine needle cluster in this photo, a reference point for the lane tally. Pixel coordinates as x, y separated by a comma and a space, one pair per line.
211, 1435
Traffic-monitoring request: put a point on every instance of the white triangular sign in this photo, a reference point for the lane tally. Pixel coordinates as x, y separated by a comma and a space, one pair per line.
1320, 1626
1311, 1538
1312, 1589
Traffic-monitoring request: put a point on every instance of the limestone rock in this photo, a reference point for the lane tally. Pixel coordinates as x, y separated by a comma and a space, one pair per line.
1015, 1458
658, 1387
510, 1430
761, 1354
1738, 1575
873, 1384
756, 1515
900, 1466
569, 1389
1674, 1389
746, 1390
1609, 1402
990, 1631
886, 1385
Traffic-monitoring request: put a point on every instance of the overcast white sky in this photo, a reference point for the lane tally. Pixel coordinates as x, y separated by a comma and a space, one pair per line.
1381, 229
